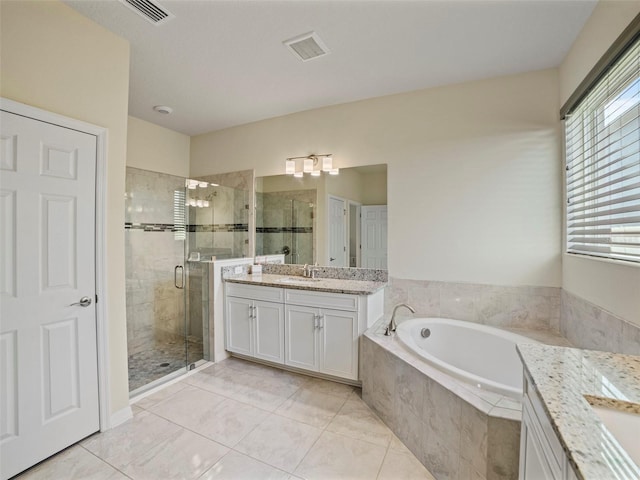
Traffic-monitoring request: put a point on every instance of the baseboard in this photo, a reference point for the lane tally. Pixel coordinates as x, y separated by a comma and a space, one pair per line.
119, 417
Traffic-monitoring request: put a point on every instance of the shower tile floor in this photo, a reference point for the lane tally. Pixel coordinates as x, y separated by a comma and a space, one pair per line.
240, 420
161, 358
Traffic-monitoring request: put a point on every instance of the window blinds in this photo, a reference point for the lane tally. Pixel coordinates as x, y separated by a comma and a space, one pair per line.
602, 138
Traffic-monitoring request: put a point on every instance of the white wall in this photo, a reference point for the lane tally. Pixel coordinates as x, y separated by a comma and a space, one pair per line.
58, 60
473, 172
156, 148
614, 286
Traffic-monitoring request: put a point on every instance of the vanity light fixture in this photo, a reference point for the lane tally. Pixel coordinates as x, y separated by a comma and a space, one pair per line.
313, 164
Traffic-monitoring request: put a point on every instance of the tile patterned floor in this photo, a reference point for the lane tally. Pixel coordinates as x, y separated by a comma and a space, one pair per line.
240, 420
161, 358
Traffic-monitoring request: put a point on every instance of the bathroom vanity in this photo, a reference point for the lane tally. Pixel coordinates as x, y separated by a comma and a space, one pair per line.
580, 414
312, 325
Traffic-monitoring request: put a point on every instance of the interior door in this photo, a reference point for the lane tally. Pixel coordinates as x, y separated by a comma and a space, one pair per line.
337, 232
48, 358
374, 236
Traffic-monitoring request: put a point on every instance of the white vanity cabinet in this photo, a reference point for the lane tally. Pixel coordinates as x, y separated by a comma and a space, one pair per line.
309, 330
320, 338
541, 454
255, 322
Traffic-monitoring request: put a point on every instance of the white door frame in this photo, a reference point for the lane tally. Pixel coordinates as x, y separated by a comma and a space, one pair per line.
101, 135
351, 203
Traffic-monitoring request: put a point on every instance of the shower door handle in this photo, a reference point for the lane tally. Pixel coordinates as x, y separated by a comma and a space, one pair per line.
175, 277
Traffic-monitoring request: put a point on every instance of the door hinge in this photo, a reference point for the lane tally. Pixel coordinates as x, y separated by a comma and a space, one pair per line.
344, 212
96, 298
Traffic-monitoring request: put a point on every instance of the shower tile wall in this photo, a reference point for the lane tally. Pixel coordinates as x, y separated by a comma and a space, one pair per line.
155, 308
222, 229
286, 219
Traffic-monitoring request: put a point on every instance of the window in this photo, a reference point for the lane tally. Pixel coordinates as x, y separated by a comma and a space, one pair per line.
602, 137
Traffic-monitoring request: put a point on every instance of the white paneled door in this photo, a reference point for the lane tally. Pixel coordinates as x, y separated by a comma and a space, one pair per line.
337, 232
48, 359
374, 236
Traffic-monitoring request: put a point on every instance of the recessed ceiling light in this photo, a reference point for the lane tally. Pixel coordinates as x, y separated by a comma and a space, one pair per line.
163, 109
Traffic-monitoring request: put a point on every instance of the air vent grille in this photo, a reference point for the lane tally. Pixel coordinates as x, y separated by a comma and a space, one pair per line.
307, 47
149, 10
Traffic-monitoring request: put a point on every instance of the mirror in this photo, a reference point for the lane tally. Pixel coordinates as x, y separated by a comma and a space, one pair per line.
335, 220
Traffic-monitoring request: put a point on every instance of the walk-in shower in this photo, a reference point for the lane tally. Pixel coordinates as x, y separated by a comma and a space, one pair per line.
174, 227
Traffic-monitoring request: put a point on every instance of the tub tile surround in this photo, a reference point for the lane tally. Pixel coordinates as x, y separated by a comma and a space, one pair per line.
528, 307
567, 380
524, 308
455, 430
588, 326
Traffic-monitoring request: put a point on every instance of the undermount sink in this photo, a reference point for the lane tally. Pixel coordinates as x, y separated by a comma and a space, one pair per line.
623, 426
298, 280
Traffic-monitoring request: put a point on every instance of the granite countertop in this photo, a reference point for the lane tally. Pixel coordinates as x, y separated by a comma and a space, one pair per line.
568, 380
333, 285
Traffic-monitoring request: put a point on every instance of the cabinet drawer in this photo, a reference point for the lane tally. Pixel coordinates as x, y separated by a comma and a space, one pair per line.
255, 292
538, 412
338, 301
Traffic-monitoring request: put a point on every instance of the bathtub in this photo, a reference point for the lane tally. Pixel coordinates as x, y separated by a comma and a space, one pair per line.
478, 354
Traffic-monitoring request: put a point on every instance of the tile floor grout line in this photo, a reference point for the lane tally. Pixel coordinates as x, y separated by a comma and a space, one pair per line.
383, 459
103, 460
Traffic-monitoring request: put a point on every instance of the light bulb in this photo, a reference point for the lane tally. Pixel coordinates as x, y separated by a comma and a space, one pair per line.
206, 203
199, 203
308, 165
203, 184
327, 163
290, 167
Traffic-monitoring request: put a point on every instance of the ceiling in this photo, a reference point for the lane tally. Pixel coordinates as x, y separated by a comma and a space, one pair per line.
223, 63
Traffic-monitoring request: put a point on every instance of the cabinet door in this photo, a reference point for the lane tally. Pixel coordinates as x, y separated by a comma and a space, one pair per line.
301, 346
269, 331
338, 335
239, 325
533, 464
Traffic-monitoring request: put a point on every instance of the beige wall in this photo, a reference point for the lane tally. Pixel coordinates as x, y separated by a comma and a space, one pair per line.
473, 172
156, 148
614, 286
56, 59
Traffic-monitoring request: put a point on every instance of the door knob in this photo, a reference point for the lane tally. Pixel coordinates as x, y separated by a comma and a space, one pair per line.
331, 259
84, 302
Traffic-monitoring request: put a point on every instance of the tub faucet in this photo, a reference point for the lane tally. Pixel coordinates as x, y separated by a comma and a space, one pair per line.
392, 324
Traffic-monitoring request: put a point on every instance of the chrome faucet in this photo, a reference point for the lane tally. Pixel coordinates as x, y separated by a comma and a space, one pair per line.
392, 324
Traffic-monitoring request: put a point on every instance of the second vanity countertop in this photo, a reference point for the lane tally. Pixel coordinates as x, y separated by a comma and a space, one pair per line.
333, 285
569, 381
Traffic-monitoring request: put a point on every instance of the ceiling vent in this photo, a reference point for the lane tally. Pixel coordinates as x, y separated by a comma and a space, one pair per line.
149, 10
307, 47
